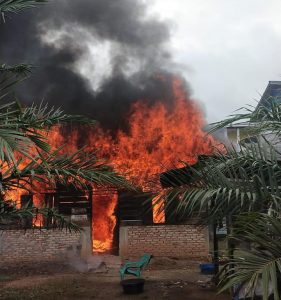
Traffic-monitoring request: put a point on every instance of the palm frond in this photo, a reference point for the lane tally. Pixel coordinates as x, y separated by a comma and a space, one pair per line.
10, 214
16, 6
226, 185
20, 69
264, 118
11, 76
42, 116
260, 265
80, 169
20, 127
54, 220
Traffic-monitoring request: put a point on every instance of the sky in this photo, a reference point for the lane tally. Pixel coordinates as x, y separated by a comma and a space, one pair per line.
106, 53
228, 50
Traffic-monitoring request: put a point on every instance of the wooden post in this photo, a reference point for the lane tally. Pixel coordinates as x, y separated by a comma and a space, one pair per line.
216, 252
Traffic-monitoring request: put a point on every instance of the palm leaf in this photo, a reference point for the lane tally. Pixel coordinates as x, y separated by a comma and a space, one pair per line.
9, 213
20, 127
226, 185
261, 264
20, 69
79, 168
16, 6
264, 118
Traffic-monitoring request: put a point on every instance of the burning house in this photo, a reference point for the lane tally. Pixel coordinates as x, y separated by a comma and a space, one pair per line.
119, 222
148, 124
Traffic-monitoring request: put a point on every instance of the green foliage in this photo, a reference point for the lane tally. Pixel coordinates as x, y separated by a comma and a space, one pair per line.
10, 76
79, 168
16, 6
243, 182
260, 265
259, 120
227, 185
21, 69
22, 128
10, 214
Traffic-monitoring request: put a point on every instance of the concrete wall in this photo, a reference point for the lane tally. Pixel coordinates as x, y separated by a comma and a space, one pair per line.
181, 241
22, 246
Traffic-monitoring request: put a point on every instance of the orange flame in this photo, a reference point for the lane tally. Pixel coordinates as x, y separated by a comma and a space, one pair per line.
158, 139
104, 220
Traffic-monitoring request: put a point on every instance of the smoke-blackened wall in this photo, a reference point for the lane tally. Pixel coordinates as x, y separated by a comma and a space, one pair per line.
92, 57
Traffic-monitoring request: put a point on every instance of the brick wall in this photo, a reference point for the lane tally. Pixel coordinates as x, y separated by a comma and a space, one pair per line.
186, 241
182, 241
20, 246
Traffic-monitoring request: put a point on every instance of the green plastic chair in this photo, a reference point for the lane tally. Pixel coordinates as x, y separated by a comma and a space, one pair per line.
134, 268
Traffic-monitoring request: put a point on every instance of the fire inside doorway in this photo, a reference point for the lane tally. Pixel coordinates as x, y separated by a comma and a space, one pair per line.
100, 212
93, 210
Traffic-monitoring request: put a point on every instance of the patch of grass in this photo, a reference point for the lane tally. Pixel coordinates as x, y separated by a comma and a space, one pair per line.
5, 278
44, 292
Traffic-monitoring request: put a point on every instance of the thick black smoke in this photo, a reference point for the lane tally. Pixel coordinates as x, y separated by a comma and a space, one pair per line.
56, 39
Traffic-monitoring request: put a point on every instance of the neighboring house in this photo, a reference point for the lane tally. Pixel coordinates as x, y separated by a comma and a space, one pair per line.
239, 134
271, 93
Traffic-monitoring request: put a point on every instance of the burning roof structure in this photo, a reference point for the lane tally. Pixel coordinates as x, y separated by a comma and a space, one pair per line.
148, 122
158, 138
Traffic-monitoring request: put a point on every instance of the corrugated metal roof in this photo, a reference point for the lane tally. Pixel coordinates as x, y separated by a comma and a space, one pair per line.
271, 93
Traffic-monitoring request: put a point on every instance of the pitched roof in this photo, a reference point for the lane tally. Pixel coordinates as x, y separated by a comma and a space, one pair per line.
271, 93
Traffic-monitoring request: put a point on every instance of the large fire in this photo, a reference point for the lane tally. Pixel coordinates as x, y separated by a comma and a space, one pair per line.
158, 138
104, 220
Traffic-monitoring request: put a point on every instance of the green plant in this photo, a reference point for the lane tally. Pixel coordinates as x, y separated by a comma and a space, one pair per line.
259, 266
241, 182
225, 185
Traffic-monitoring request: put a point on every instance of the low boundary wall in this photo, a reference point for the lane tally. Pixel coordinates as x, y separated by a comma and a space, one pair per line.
179, 241
22, 246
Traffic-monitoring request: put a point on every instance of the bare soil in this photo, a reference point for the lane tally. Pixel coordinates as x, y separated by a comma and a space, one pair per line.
164, 279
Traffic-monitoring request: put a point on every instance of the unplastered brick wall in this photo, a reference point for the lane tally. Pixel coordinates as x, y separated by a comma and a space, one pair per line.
21, 246
181, 241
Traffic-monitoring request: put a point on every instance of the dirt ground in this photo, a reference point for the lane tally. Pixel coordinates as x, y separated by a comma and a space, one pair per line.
164, 279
